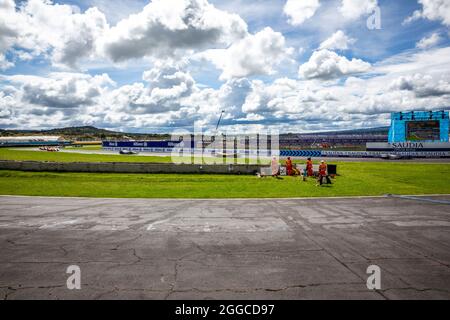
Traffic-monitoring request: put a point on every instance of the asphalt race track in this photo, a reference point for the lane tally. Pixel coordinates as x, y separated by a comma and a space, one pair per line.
328, 159
230, 249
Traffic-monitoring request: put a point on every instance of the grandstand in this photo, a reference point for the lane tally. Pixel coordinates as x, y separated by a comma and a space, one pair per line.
329, 140
32, 141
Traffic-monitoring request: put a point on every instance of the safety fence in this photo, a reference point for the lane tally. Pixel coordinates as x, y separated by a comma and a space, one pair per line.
128, 167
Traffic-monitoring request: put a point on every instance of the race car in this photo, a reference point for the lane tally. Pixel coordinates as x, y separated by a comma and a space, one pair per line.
127, 152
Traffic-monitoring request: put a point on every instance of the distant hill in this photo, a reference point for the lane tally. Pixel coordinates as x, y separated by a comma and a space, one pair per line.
84, 133
79, 131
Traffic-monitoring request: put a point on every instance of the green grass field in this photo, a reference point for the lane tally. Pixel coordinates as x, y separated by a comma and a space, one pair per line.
356, 179
15, 154
27, 154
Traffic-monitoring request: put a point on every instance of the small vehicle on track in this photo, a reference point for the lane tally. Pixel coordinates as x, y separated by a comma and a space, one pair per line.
124, 151
50, 149
394, 156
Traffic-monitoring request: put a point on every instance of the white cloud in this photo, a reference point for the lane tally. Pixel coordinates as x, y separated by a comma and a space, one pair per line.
170, 98
80, 36
326, 65
9, 22
269, 98
338, 41
436, 10
68, 36
60, 99
7, 105
40, 27
166, 86
294, 104
61, 90
433, 61
429, 42
4, 63
422, 85
353, 9
298, 11
163, 27
256, 54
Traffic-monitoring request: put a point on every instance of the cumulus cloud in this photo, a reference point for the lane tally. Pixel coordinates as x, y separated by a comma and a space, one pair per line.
41, 27
167, 84
168, 96
9, 22
353, 9
327, 65
298, 11
429, 42
7, 104
231, 97
436, 10
67, 35
357, 102
338, 41
79, 39
163, 27
270, 98
61, 90
422, 85
172, 98
256, 54
4, 63
291, 103
60, 99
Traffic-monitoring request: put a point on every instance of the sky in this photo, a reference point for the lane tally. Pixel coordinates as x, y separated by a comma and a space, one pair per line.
165, 65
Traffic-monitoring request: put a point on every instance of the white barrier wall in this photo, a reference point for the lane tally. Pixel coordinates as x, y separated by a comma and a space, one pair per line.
128, 167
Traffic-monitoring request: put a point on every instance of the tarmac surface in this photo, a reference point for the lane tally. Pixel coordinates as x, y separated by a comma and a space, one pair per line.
225, 249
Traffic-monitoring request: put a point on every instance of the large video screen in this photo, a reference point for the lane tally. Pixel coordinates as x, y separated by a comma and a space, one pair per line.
422, 130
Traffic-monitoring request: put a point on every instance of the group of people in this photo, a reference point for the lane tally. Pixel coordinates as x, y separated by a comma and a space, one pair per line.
308, 171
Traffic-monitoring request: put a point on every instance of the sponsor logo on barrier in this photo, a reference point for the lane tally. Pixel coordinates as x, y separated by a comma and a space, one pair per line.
360, 154
407, 145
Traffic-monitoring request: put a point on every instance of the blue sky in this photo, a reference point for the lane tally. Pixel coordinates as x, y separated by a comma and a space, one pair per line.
296, 65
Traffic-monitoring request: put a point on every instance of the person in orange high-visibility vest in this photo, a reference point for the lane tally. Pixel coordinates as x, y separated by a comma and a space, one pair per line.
323, 173
309, 167
289, 170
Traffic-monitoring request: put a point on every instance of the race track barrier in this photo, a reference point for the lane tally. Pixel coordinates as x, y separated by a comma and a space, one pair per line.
127, 167
361, 154
300, 153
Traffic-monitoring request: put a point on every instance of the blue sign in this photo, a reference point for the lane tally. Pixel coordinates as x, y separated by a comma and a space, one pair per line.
300, 153
146, 144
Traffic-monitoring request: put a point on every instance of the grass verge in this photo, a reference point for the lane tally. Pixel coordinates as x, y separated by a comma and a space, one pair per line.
22, 155
356, 179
